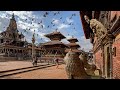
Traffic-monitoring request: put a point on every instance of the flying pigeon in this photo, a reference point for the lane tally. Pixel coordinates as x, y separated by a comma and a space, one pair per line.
24, 30
42, 26
46, 13
74, 14
51, 22
54, 14
70, 18
58, 12
70, 23
41, 21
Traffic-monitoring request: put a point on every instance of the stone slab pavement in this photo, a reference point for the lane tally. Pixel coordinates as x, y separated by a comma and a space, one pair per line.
9, 65
45, 73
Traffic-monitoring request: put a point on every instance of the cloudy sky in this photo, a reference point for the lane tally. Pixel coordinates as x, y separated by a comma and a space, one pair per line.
44, 22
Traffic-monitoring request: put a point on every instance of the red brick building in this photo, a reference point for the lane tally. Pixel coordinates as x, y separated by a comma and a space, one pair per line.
106, 48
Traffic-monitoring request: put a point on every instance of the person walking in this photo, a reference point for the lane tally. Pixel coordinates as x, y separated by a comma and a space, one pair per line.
34, 61
57, 62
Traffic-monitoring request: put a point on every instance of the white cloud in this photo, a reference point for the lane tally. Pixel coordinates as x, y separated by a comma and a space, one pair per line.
56, 21
69, 20
3, 15
68, 37
25, 25
63, 26
85, 43
64, 41
22, 14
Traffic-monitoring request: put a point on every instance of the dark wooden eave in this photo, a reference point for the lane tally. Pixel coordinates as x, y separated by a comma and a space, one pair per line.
54, 43
86, 27
115, 29
55, 33
91, 15
73, 39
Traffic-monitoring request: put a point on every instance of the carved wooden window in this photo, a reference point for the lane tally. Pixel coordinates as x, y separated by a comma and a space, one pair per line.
114, 51
1, 40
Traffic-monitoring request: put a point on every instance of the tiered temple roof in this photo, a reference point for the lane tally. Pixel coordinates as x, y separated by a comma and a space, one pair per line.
73, 45
55, 38
72, 39
54, 48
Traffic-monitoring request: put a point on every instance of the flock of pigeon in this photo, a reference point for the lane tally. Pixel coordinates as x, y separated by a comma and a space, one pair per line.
46, 14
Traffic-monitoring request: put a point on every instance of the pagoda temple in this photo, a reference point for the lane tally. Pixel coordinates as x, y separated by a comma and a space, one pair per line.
12, 42
73, 45
54, 48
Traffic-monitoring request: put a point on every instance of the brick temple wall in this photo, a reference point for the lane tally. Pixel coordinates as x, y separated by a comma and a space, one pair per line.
98, 59
116, 59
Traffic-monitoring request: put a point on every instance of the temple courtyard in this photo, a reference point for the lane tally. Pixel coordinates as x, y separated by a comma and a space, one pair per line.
44, 73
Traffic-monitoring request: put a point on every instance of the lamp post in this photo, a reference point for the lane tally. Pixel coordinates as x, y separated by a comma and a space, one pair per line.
33, 48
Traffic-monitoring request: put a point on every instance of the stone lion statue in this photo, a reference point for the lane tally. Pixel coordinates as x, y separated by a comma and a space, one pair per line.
96, 26
74, 66
89, 68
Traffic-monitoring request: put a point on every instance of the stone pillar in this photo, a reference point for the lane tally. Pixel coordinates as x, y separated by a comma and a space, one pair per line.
103, 69
3, 50
8, 52
110, 38
14, 52
111, 58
